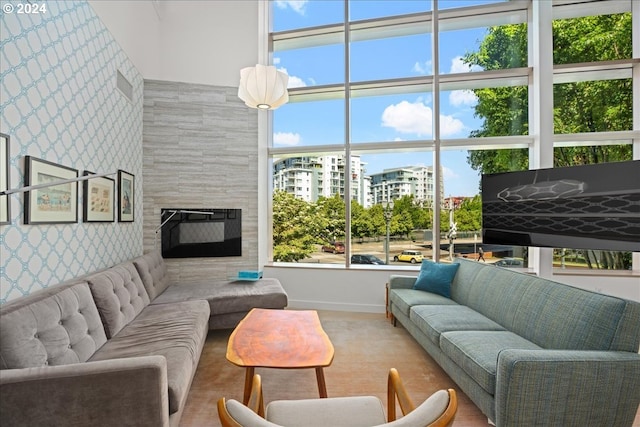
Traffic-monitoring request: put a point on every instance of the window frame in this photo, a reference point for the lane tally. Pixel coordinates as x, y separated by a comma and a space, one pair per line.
520, 11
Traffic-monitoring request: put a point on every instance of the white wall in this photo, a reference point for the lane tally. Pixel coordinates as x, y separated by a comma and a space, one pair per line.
135, 25
335, 288
204, 42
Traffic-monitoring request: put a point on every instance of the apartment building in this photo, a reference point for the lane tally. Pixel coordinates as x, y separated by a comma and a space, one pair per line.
309, 178
416, 181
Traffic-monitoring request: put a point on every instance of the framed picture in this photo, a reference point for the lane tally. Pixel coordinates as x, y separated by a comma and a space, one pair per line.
52, 203
126, 190
99, 199
5, 209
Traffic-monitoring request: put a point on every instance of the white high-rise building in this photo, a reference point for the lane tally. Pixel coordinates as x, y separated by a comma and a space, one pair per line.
394, 183
310, 177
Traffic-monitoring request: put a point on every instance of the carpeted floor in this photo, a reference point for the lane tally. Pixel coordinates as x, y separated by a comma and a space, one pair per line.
366, 346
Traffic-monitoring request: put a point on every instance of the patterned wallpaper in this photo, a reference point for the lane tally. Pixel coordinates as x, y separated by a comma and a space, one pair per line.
59, 102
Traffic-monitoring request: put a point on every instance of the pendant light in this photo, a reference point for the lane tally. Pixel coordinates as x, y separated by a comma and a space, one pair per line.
263, 87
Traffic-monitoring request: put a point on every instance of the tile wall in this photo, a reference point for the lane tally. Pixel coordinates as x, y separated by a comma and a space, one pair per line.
200, 150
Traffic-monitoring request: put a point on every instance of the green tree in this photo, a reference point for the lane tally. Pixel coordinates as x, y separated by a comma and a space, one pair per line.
423, 219
419, 216
378, 221
469, 215
294, 221
361, 224
594, 106
331, 212
401, 224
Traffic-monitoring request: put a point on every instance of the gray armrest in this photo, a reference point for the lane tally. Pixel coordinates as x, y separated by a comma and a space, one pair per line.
118, 392
401, 282
534, 387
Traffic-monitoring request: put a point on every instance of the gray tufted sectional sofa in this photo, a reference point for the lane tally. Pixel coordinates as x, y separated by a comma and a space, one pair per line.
526, 350
117, 347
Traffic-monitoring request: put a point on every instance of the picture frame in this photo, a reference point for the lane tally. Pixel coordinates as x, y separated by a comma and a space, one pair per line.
5, 204
126, 199
55, 204
99, 199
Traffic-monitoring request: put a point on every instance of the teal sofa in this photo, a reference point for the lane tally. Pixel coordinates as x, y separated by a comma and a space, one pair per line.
526, 350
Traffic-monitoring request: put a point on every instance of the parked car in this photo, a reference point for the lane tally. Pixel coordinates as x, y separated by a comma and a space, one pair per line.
366, 259
334, 248
409, 256
509, 262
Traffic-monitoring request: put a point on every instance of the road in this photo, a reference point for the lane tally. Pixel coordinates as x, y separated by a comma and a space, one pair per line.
462, 247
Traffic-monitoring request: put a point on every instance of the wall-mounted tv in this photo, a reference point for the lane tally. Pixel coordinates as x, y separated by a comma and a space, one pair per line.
579, 207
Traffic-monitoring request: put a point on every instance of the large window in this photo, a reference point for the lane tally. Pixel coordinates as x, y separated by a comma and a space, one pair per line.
367, 95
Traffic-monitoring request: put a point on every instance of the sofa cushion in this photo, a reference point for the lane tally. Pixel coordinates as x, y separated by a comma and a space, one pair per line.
532, 306
434, 320
55, 326
579, 320
436, 277
404, 299
476, 352
229, 297
176, 331
153, 272
119, 296
353, 411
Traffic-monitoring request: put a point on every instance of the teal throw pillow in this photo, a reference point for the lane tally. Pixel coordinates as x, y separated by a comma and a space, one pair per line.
436, 278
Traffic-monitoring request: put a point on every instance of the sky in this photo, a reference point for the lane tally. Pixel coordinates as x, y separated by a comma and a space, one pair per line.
403, 117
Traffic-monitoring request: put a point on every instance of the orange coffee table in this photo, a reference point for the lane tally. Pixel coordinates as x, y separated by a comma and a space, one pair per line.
288, 339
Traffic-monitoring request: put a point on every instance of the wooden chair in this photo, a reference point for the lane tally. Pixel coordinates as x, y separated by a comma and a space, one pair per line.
438, 410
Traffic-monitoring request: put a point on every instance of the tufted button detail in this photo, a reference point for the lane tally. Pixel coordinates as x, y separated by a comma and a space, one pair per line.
46, 362
36, 336
60, 322
69, 346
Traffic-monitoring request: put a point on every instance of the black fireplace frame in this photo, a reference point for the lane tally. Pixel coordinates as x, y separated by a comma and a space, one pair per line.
173, 246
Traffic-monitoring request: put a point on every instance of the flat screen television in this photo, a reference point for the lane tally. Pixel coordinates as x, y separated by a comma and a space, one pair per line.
579, 207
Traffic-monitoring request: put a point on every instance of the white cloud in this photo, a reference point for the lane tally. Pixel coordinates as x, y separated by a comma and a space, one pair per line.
449, 173
294, 81
407, 117
424, 68
295, 5
286, 138
450, 126
458, 66
276, 61
417, 118
459, 98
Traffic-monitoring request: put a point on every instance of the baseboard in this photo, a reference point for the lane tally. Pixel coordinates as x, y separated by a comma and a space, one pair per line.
323, 305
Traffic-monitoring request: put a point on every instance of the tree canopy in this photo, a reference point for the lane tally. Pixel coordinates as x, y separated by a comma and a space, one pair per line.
592, 106
579, 107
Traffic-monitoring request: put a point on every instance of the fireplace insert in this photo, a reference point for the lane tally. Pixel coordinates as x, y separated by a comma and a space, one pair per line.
195, 232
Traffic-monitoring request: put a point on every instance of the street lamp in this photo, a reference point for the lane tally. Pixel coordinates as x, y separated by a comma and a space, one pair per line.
388, 213
453, 231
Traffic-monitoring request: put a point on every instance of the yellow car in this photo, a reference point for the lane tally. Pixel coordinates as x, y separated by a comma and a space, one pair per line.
409, 256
